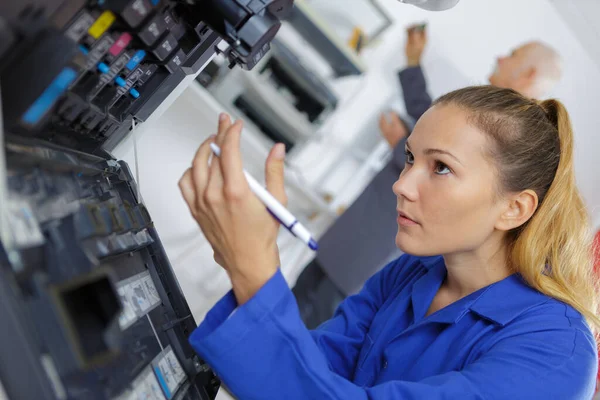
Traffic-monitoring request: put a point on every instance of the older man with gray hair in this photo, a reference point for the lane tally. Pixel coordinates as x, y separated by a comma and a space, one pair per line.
531, 69
361, 241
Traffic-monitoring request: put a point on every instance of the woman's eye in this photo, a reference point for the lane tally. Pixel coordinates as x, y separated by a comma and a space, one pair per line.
409, 157
441, 168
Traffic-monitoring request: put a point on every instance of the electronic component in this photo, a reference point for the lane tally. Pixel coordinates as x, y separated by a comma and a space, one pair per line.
153, 30
282, 97
97, 295
89, 305
248, 26
80, 60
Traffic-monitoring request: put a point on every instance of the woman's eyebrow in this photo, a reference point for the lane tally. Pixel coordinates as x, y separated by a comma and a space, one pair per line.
437, 151
440, 151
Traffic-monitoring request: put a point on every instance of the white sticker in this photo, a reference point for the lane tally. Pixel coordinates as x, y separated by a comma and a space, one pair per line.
138, 296
144, 387
140, 7
128, 315
25, 228
153, 29
167, 46
175, 367
169, 372
148, 388
151, 291
80, 27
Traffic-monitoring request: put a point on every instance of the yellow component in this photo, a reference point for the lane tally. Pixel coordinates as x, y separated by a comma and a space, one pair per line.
357, 39
104, 21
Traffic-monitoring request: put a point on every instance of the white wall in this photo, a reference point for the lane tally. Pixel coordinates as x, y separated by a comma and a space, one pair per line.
582, 18
466, 40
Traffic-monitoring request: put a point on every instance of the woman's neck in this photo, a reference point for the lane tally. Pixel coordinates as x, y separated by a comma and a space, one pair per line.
473, 270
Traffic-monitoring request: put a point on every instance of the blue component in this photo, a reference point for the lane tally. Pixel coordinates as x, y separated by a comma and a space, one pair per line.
102, 67
134, 93
83, 49
154, 2
162, 382
49, 96
135, 60
120, 81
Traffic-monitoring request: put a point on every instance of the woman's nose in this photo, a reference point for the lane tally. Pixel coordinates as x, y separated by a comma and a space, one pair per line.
406, 185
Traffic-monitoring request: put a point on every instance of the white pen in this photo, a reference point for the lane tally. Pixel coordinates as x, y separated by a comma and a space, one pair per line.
276, 209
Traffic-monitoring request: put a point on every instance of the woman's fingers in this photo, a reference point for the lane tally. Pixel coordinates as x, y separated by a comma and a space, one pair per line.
224, 124
231, 162
216, 174
274, 173
200, 171
186, 186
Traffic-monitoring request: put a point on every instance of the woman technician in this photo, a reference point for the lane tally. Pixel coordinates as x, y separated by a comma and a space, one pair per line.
500, 314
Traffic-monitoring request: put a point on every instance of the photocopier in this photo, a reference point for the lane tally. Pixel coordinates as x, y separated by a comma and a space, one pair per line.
90, 307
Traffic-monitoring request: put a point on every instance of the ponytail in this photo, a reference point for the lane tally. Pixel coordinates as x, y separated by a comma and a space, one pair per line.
533, 149
558, 235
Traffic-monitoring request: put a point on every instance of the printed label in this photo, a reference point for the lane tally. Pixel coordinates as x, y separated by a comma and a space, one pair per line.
25, 228
138, 296
169, 372
80, 27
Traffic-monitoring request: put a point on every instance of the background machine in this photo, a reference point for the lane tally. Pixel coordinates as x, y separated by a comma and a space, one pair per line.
89, 305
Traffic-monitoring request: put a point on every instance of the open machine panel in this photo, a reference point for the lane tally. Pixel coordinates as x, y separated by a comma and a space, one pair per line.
89, 305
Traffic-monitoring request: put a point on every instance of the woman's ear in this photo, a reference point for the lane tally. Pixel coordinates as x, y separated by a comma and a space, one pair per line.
519, 209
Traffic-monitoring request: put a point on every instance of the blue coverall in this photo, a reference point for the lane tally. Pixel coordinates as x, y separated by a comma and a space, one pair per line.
505, 341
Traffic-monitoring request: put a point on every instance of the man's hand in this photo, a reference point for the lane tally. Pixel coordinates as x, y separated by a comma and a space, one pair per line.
415, 44
392, 128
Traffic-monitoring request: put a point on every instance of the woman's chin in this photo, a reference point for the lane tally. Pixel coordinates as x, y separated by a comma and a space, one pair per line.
410, 246
403, 242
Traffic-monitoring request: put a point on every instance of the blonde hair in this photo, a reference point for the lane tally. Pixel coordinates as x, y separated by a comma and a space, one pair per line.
533, 149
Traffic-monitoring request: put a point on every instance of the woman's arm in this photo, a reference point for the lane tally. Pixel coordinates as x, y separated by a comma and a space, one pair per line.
264, 352
339, 340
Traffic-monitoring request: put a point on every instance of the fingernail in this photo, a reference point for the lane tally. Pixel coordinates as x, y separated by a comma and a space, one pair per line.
279, 152
222, 117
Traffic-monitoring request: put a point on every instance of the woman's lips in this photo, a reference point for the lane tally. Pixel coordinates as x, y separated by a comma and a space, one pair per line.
405, 220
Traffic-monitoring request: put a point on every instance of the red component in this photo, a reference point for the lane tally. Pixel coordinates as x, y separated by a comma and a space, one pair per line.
120, 44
